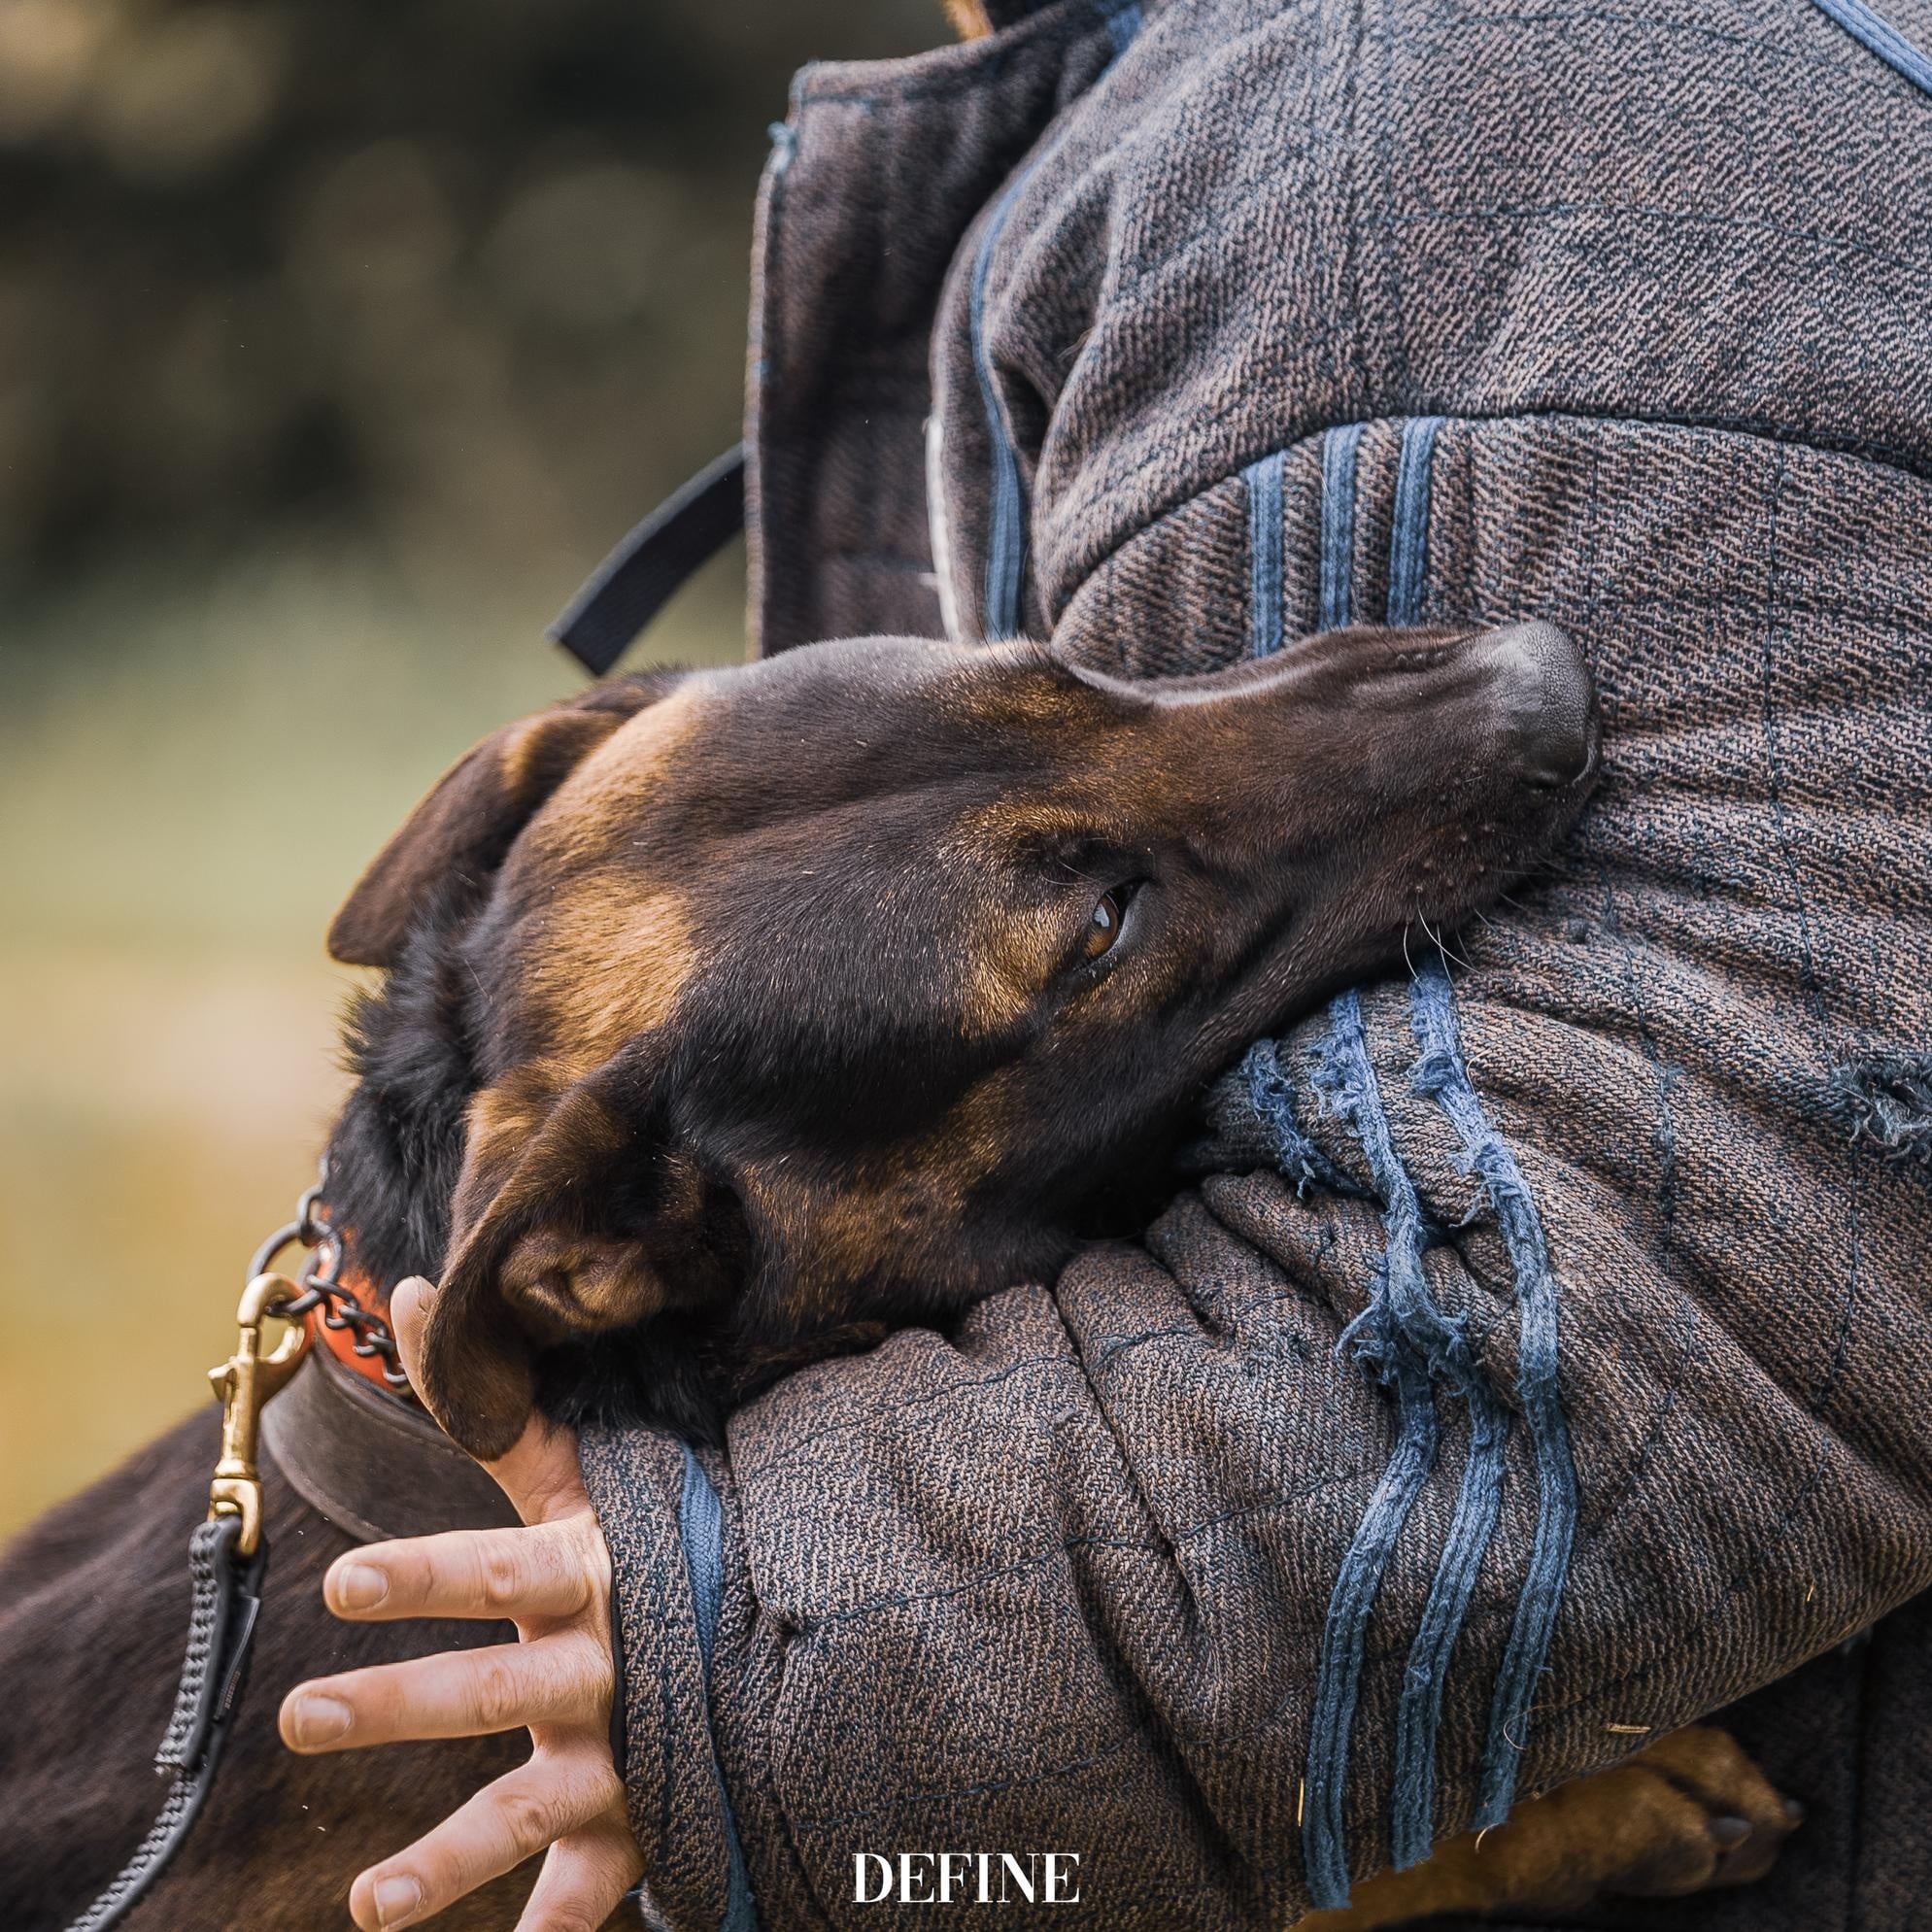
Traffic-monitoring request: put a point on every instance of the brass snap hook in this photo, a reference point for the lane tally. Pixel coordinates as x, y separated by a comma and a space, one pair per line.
242, 1385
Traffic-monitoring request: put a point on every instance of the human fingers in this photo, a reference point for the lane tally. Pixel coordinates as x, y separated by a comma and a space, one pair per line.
553, 1795
540, 1571
564, 1677
582, 1879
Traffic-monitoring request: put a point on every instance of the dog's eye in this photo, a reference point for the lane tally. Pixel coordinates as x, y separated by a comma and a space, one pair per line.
1104, 928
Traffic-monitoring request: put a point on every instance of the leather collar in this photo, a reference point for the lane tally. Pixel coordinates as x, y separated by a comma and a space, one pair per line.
375, 1466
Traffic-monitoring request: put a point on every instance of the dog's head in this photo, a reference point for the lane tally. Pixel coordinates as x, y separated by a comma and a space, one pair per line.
846, 987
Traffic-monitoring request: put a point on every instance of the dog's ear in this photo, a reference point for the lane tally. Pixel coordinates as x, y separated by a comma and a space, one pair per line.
575, 1213
968, 18
476, 809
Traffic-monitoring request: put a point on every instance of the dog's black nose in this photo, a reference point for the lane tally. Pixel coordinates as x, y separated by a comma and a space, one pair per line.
1544, 687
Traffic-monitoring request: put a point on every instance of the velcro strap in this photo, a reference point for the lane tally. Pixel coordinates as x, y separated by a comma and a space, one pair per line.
652, 563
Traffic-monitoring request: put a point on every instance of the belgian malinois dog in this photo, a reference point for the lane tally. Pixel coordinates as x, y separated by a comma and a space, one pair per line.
733, 1018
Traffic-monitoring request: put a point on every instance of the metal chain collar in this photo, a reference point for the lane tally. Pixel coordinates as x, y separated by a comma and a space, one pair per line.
322, 1287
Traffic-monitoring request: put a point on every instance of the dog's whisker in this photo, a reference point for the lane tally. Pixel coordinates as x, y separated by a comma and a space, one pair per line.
1442, 948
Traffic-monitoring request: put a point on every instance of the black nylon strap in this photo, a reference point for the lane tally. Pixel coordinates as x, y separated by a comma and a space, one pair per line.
654, 562
220, 1633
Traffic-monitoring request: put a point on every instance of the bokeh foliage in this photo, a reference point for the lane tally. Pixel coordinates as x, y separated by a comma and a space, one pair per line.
337, 340
462, 276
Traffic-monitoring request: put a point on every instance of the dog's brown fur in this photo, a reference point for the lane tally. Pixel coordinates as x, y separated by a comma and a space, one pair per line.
94, 1610
732, 1017
771, 992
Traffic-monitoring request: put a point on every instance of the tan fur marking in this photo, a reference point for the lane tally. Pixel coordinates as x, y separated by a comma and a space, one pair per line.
517, 754
586, 819
503, 1118
907, 1204
608, 971
968, 18
1013, 951
610, 948
1641, 1829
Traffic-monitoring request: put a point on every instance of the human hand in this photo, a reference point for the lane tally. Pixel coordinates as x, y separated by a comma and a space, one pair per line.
553, 1579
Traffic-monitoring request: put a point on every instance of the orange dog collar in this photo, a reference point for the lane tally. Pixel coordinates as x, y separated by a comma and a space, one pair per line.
341, 1341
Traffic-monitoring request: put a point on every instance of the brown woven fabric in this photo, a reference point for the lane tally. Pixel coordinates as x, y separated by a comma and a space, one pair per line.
1061, 1580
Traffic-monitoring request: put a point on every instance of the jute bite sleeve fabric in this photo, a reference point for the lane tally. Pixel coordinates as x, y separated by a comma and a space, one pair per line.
1538, 1361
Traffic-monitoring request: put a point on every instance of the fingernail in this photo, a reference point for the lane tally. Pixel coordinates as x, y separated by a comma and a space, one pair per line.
361, 1586
397, 1900
1730, 1831
320, 1720
1794, 1810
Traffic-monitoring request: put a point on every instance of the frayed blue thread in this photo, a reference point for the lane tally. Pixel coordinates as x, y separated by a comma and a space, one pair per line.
1338, 1671
1404, 1340
1272, 1094
1006, 522
1267, 544
1408, 544
1441, 1077
1420, 1713
1400, 1335
701, 1531
1340, 448
1344, 1077
1403, 1322
1479, 1501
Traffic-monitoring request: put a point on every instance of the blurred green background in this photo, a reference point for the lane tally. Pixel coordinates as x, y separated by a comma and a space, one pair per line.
338, 339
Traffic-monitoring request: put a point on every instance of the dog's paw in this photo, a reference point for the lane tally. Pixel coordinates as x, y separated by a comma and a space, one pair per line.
1688, 1813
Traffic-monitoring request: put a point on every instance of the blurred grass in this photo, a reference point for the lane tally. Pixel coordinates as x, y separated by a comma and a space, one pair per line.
194, 769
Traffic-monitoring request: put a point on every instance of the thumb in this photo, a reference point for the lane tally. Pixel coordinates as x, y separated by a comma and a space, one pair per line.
409, 1316
538, 1473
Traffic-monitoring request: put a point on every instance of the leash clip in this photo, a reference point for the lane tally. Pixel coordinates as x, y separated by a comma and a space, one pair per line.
243, 1383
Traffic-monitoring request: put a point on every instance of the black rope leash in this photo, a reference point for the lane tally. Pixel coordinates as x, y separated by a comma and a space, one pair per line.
220, 1635
227, 1553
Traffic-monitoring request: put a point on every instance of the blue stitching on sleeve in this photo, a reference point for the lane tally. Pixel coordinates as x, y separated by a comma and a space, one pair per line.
1479, 1503
1265, 555
1402, 1333
1408, 544
1877, 34
1406, 1338
1006, 520
1396, 1337
1006, 528
1272, 1094
701, 1531
1441, 1075
1420, 1713
1340, 448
